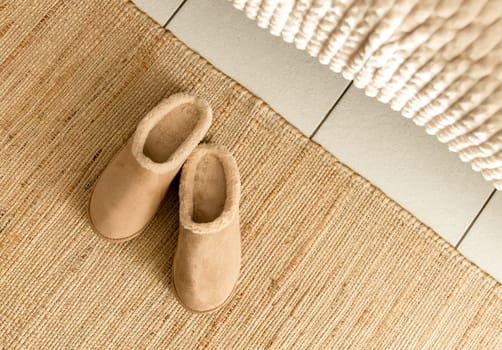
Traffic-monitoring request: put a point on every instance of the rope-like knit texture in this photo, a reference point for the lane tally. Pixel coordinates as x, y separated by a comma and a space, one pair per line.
328, 260
438, 62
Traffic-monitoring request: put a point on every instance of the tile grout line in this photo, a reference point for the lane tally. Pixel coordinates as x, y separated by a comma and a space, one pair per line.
330, 110
174, 13
475, 219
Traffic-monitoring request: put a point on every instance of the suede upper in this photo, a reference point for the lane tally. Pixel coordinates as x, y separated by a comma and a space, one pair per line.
207, 260
130, 189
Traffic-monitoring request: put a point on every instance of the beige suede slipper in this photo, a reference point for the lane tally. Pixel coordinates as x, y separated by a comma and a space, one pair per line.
208, 255
130, 189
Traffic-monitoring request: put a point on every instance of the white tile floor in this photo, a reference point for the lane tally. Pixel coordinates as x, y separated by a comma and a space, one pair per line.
406, 163
293, 83
390, 151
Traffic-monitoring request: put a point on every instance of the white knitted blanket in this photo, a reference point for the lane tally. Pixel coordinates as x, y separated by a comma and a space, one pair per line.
438, 62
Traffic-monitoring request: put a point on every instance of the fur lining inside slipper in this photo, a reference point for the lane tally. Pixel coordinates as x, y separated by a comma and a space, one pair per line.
181, 148
188, 191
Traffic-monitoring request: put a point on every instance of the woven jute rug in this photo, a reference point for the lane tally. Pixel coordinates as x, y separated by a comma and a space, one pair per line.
328, 260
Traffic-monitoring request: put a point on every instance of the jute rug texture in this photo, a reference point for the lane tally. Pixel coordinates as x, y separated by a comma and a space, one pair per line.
329, 261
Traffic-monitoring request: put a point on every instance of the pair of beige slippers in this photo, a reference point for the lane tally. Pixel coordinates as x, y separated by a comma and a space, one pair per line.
129, 191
